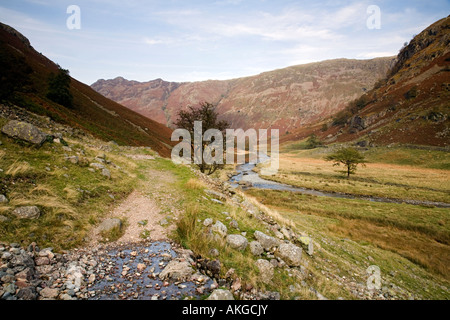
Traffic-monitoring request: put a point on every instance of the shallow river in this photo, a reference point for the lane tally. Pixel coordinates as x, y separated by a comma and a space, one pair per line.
246, 174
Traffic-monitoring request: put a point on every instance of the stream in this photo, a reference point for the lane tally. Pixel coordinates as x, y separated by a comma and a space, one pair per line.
247, 178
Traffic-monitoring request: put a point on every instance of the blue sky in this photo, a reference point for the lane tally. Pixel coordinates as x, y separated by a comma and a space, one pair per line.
217, 39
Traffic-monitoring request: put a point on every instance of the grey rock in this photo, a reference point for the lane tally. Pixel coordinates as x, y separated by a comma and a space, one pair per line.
10, 288
266, 241
216, 195
29, 212
3, 219
72, 159
97, 166
217, 201
177, 270
214, 266
286, 233
65, 297
289, 253
6, 256
220, 228
27, 293
42, 261
110, 224
234, 224
236, 241
256, 248
265, 270
24, 131
221, 294
106, 173
3, 199
207, 222
164, 222
214, 252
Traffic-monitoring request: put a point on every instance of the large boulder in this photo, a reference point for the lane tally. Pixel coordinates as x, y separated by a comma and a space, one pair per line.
177, 270
29, 212
24, 131
266, 241
290, 253
110, 224
236, 241
221, 294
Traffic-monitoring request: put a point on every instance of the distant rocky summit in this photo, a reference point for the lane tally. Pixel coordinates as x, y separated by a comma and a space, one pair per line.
284, 99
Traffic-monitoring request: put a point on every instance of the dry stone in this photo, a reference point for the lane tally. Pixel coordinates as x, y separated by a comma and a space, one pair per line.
29, 212
236, 241
265, 270
290, 253
24, 131
221, 294
266, 241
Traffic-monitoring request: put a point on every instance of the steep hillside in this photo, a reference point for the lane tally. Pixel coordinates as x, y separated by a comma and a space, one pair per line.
24, 82
411, 105
284, 99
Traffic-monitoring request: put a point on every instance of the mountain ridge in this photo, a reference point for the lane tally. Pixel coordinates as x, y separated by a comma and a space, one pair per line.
255, 101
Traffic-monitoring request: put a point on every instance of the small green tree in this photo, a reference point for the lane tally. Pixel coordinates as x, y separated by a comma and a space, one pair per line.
59, 88
349, 157
207, 114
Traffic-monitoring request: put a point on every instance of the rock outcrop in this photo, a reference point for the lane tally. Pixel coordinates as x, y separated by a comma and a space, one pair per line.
24, 131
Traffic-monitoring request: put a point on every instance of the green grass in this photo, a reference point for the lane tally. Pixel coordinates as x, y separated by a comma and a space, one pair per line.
432, 159
400, 238
394, 179
72, 198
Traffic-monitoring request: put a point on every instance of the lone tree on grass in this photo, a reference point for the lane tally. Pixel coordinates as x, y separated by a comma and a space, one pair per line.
349, 157
209, 117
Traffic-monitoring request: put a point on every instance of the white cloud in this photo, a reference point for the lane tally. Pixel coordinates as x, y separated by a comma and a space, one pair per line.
377, 54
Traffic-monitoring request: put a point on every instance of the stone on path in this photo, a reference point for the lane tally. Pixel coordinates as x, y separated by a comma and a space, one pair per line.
110, 224
177, 270
221, 294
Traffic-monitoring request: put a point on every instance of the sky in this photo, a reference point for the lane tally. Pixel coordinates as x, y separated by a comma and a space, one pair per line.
178, 40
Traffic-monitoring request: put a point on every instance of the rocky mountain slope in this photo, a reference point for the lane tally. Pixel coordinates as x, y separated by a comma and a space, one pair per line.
411, 105
284, 99
24, 83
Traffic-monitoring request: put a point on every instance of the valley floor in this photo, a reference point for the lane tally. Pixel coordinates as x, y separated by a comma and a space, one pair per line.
157, 201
